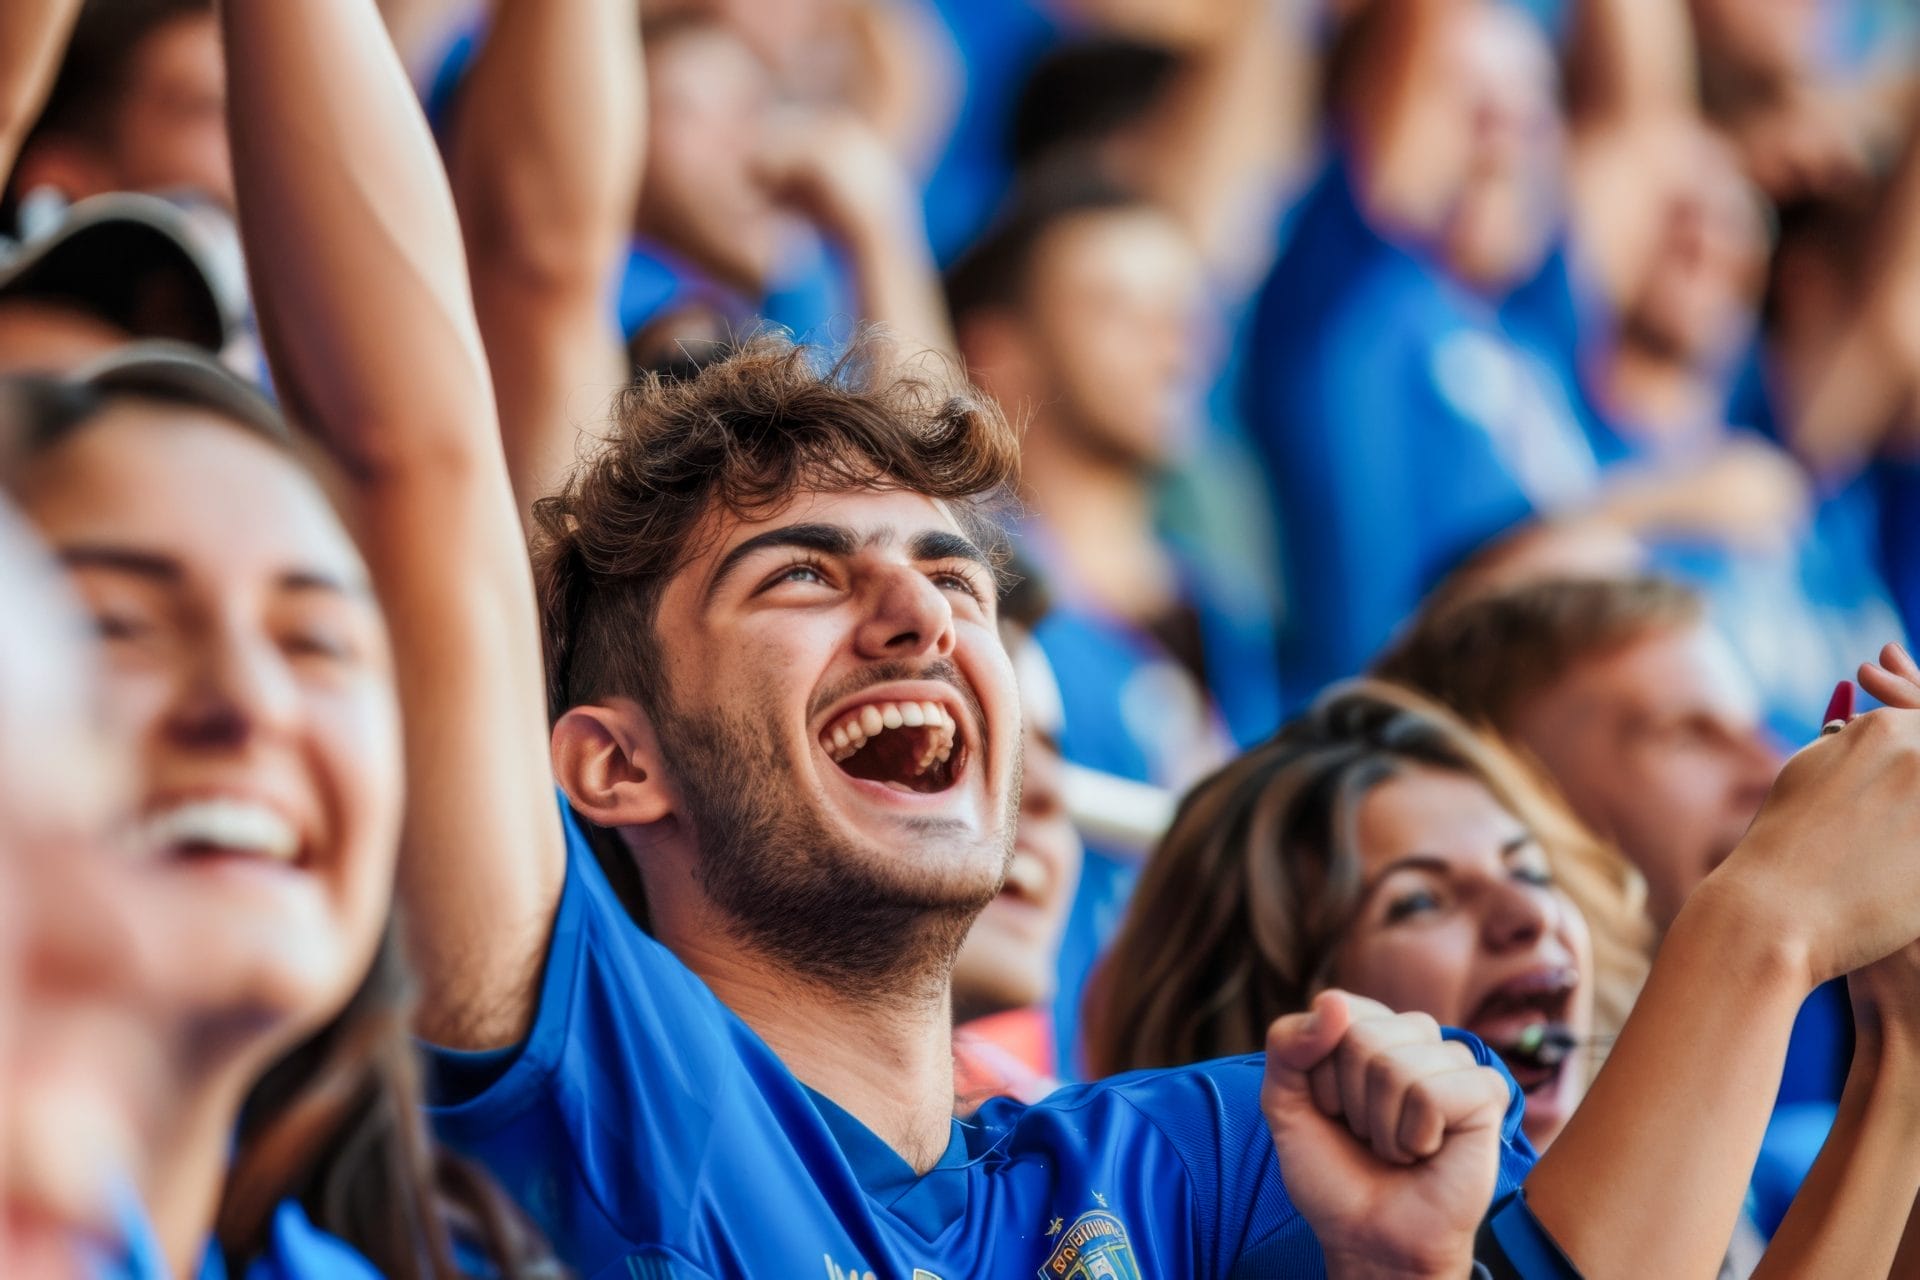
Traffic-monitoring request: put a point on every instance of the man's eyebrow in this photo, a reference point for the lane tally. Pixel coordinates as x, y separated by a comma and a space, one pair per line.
943, 544
140, 564
828, 539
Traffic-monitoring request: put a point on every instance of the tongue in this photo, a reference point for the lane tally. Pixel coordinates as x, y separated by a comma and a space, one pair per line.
892, 757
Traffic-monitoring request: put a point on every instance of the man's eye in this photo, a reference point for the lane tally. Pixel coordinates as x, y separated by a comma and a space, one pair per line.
1411, 904
957, 582
800, 573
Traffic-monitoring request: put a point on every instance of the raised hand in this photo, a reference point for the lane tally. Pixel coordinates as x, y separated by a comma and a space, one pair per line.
1828, 861
1388, 1136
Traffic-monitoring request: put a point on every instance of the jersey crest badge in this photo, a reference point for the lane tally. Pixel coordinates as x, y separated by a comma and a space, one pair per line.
1095, 1247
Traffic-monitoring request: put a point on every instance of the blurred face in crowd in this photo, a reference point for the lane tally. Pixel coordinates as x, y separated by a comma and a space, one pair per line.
1657, 746
1459, 918
242, 648
167, 131
1506, 210
80, 1024
843, 733
1008, 961
1696, 300
1104, 345
711, 106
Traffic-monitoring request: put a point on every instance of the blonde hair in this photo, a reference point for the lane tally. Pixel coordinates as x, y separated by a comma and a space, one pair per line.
1238, 914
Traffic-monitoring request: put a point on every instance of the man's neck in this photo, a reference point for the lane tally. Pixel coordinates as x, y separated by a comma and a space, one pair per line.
1099, 509
887, 1063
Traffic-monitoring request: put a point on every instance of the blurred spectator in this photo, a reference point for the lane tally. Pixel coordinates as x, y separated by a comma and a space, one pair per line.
1202, 107
80, 1041
1005, 975
727, 170
1082, 309
139, 105
1402, 423
113, 268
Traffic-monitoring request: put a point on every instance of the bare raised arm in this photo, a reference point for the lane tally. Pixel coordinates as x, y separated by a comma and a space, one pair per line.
33, 33
1844, 407
361, 286
1850, 1213
1648, 1177
1630, 90
546, 169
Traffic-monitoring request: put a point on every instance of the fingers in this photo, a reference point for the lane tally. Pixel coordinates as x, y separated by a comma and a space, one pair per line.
1449, 1102
1399, 1087
1299, 1042
1894, 680
1369, 1050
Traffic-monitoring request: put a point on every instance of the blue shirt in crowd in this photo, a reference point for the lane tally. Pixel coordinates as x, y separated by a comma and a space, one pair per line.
1403, 425
1133, 709
649, 1131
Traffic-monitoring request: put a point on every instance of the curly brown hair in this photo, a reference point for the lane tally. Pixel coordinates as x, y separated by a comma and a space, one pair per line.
742, 435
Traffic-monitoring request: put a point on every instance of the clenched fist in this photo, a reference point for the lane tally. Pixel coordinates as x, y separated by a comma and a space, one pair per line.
1388, 1136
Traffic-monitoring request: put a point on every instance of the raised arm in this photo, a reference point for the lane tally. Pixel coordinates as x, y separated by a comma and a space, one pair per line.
361, 286
1631, 94
1236, 119
546, 167
33, 33
1848, 1218
1844, 406
1648, 1177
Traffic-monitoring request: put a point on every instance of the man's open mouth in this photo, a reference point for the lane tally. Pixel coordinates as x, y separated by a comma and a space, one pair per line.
909, 746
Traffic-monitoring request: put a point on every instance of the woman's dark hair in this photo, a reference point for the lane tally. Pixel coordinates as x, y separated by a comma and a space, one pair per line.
338, 1123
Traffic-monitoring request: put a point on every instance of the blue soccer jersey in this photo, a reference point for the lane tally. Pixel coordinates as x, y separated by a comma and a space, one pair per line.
650, 1132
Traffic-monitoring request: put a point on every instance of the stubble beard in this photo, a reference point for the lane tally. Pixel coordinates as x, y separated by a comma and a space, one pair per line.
794, 890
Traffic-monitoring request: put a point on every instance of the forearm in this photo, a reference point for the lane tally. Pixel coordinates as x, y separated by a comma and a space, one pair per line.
1238, 115
1648, 1177
898, 281
33, 35
546, 166
351, 238
1848, 1216
1630, 60
360, 282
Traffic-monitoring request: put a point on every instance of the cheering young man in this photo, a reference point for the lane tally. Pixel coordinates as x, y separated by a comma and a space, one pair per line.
778, 696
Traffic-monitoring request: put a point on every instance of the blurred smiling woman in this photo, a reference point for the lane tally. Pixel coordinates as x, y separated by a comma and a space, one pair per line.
247, 663
1376, 844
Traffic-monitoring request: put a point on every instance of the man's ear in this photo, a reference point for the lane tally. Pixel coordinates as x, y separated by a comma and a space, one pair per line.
607, 759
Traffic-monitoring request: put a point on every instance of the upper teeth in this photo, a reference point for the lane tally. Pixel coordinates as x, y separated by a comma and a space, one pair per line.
239, 825
854, 729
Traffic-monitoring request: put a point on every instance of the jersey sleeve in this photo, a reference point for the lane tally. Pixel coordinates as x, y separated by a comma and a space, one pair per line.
627, 1051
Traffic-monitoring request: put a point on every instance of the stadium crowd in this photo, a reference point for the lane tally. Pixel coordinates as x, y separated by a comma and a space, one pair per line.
919, 639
